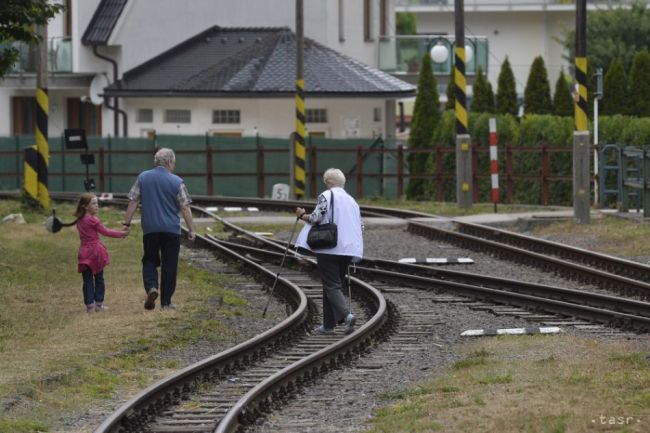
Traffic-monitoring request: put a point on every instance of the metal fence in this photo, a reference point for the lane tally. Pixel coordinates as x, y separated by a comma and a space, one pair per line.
250, 166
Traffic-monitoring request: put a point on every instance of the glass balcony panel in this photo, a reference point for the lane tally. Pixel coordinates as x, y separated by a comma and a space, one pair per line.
403, 54
59, 56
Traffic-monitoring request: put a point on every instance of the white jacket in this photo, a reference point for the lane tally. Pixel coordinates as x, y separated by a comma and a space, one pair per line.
347, 217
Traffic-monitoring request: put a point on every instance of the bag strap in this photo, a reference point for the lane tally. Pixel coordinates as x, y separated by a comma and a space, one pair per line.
332, 206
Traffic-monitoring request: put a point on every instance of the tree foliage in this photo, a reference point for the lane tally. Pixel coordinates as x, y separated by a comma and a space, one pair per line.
562, 98
426, 115
482, 97
506, 100
405, 23
613, 33
640, 85
537, 94
18, 20
615, 90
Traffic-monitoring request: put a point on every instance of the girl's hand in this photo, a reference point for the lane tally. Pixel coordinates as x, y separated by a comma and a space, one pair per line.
300, 211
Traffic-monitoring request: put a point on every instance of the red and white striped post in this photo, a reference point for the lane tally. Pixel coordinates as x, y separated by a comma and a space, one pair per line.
494, 163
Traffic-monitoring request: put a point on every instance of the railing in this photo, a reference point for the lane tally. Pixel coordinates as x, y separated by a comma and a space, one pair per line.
59, 56
403, 54
508, 4
212, 171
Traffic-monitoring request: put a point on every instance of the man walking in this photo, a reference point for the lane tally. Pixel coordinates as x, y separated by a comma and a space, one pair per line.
162, 195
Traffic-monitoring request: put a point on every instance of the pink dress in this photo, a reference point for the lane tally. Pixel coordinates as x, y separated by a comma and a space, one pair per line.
92, 253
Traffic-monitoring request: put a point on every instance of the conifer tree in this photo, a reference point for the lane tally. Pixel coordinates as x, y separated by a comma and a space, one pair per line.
562, 99
426, 115
537, 94
615, 91
640, 85
506, 100
482, 97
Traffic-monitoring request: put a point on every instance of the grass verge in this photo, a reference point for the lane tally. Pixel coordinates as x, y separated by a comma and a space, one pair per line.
546, 384
58, 361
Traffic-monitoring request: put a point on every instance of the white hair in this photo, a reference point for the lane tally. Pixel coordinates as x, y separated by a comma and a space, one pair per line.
334, 177
163, 157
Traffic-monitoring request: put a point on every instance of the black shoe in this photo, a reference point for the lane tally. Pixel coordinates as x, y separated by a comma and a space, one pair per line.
152, 295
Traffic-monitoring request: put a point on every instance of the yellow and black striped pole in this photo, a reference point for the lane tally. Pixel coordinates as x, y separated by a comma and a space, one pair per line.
37, 157
299, 142
463, 142
299, 138
581, 139
581, 67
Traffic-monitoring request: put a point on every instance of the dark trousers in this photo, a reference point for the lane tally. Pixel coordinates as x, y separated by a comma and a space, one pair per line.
333, 270
161, 249
93, 287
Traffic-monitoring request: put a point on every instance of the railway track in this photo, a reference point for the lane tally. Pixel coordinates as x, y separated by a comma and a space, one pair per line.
231, 390
238, 385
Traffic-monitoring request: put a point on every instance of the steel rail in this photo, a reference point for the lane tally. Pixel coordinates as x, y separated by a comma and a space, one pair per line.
155, 396
622, 309
260, 203
623, 285
598, 300
600, 315
263, 395
611, 264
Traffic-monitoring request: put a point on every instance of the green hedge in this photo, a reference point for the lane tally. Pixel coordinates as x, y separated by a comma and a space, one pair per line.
532, 131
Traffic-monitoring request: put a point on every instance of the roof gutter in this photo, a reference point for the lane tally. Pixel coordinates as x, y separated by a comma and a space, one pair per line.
116, 105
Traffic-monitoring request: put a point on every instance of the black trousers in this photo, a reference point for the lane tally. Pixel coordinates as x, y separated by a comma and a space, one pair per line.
161, 249
333, 270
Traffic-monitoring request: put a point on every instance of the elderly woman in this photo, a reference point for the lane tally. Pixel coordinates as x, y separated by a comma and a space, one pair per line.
333, 262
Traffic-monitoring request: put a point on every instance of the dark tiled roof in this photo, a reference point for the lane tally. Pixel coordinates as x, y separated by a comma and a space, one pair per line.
253, 62
103, 22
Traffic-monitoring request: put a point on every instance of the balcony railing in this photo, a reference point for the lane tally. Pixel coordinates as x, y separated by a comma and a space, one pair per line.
510, 4
403, 54
59, 56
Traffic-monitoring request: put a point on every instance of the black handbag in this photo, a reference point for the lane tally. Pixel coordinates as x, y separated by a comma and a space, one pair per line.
326, 235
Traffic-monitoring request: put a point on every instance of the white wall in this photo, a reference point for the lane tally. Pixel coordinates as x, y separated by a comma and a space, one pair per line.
268, 117
149, 27
521, 36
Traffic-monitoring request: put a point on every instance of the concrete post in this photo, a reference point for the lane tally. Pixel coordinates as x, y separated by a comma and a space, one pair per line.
463, 171
581, 182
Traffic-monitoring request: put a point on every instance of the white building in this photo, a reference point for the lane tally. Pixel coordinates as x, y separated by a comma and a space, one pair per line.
98, 41
518, 29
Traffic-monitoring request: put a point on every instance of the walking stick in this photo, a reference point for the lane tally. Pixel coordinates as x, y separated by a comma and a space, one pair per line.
350, 288
281, 265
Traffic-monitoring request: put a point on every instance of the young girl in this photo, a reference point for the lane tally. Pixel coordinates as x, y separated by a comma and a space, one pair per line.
93, 256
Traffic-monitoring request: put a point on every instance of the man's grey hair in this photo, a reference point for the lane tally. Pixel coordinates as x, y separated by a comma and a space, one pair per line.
163, 157
334, 177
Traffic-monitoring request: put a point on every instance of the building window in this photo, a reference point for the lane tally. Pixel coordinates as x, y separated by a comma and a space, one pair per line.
376, 114
23, 115
178, 116
367, 20
84, 115
144, 115
316, 115
226, 116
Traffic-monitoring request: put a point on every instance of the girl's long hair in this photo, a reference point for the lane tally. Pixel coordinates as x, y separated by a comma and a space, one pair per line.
84, 200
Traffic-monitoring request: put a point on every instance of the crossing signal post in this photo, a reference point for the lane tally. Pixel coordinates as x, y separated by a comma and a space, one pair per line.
75, 139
